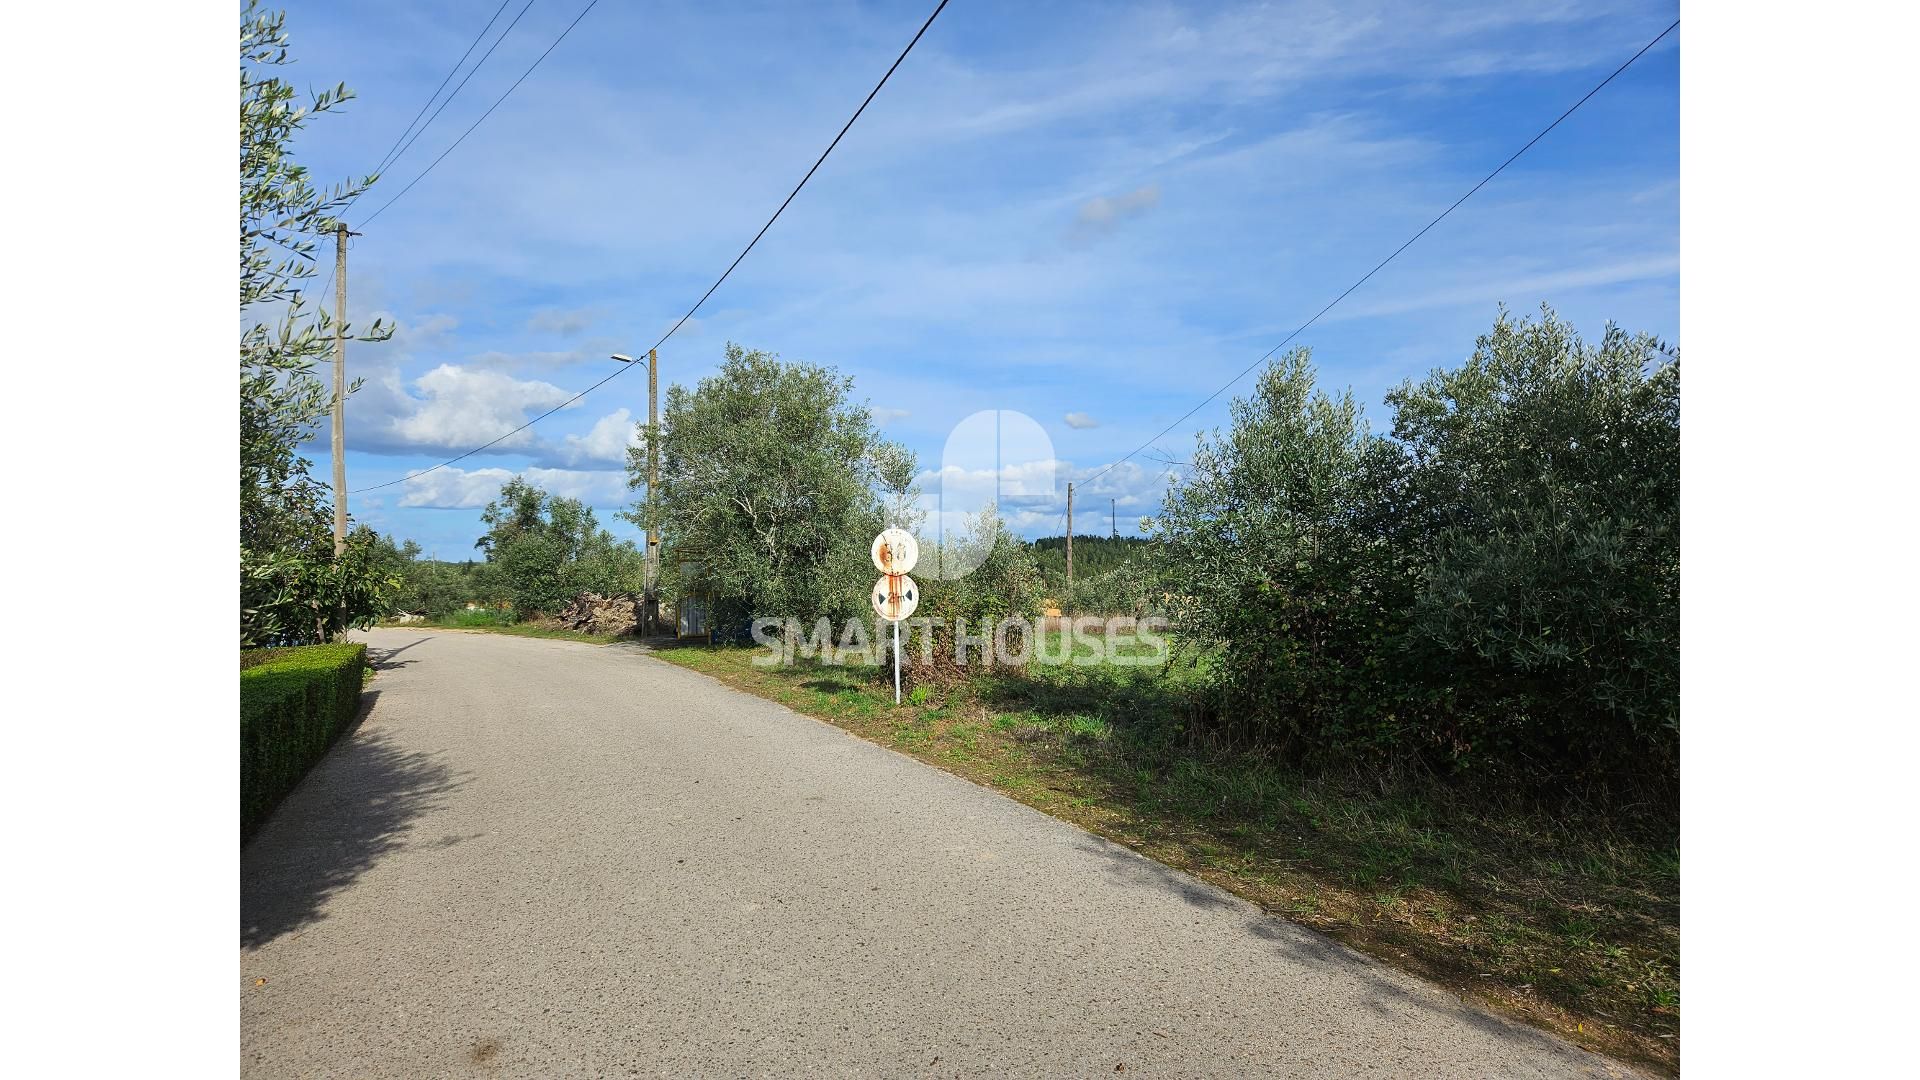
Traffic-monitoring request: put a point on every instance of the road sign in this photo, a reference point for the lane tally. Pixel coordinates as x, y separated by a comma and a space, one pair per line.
895, 596
895, 551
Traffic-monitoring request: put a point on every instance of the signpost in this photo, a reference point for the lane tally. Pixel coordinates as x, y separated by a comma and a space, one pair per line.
895, 595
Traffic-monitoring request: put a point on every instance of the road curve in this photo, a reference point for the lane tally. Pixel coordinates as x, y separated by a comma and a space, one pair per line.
542, 858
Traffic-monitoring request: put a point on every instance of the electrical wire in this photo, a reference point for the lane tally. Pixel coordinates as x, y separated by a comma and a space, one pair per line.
624, 368
483, 116
393, 152
1396, 252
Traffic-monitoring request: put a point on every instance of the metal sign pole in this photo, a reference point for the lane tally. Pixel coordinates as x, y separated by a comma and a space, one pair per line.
895, 595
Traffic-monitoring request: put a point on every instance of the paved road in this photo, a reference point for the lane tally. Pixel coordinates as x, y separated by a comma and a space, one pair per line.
541, 858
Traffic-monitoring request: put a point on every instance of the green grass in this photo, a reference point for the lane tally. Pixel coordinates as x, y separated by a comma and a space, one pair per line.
1570, 924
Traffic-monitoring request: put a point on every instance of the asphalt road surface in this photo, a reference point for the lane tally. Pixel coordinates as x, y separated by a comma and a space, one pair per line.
543, 858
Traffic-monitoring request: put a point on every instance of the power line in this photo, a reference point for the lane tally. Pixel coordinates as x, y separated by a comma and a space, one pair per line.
392, 154
624, 368
1396, 253
471, 72
483, 116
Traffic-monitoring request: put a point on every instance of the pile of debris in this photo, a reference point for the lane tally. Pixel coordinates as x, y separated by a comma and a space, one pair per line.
596, 614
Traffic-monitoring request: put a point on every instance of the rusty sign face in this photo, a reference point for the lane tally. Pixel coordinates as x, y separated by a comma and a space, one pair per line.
895, 596
895, 551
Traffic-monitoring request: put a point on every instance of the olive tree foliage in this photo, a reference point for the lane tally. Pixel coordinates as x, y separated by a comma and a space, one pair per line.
1276, 552
774, 481
292, 588
1544, 495
1005, 583
1493, 589
543, 550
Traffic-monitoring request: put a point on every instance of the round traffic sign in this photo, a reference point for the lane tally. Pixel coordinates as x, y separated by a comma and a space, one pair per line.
895, 551
895, 596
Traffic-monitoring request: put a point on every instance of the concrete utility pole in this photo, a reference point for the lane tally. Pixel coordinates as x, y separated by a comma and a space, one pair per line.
340, 391
1068, 605
1113, 519
652, 600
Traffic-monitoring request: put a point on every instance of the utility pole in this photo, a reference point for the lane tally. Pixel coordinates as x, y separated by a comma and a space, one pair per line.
1113, 519
340, 391
1069, 603
652, 599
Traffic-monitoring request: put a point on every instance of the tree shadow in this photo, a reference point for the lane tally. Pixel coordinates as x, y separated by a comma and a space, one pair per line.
383, 659
356, 806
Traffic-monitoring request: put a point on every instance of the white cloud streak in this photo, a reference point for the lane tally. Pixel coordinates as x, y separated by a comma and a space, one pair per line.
460, 489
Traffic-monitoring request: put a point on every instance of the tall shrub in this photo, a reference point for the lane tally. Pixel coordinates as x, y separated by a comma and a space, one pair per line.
1495, 588
1276, 551
1545, 507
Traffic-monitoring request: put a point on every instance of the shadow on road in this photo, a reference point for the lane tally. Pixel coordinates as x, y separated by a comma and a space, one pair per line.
383, 659
353, 808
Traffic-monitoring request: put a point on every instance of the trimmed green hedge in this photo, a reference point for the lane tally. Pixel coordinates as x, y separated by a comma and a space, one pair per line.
293, 702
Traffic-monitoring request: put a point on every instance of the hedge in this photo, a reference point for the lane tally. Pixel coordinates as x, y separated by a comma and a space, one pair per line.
293, 703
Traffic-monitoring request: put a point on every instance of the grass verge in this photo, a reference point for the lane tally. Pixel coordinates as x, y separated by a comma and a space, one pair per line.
1570, 925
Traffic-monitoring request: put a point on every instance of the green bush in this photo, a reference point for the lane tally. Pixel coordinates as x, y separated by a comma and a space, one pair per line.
1493, 589
293, 703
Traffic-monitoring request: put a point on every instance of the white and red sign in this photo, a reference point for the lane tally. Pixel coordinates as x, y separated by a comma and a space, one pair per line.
895, 595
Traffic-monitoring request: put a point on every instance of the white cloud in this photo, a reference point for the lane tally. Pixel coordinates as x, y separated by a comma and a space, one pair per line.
463, 408
606, 442
459, 489
1081, 420
888, 416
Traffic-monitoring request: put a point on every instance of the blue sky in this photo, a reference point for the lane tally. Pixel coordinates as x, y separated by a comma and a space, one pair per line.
1101, 211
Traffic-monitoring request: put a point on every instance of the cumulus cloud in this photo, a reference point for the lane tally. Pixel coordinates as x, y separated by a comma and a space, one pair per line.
1099, 216
606, 442
452, 488
461, 408
1081, 420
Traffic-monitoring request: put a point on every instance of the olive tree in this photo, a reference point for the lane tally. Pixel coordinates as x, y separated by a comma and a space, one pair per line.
292, 588
1544, 496
775, 481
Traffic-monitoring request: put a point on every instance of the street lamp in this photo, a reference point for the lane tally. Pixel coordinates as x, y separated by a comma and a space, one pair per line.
650, 604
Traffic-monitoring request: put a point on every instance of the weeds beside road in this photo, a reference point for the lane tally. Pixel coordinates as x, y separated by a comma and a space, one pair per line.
1570, 924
